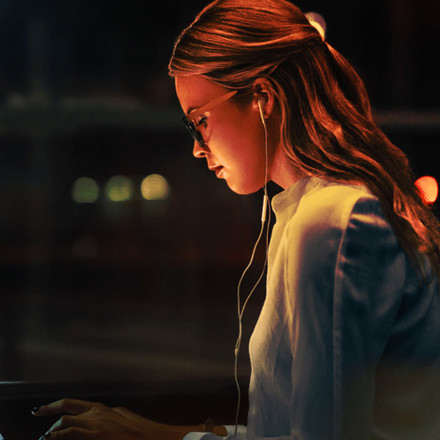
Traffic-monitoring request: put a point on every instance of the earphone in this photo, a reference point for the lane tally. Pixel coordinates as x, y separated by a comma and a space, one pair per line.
241, 309
260, 107
265, 197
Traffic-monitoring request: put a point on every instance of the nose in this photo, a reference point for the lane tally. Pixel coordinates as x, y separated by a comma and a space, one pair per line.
200, 151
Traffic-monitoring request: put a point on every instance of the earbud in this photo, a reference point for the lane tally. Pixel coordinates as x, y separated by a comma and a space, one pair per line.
265, 198
260, 106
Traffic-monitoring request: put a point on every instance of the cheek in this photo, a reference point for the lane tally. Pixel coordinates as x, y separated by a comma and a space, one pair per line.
245, 162
242, 153
251, 144
241, 138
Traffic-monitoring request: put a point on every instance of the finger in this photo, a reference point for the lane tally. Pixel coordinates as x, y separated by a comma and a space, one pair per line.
69, 434
68, 422
69, 406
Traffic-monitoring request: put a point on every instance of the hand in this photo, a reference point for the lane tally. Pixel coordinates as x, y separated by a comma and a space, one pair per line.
83, 420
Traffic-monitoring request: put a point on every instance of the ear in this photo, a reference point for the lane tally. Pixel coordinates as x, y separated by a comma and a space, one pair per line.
264, 93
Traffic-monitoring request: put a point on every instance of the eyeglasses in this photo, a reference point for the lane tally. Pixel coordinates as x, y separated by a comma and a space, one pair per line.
188, 120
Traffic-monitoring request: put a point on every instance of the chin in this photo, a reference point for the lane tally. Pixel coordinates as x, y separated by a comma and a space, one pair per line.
242, 189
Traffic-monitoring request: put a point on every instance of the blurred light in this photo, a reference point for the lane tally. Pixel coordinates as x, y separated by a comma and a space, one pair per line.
119, 189
155, 187
85, 190
428, 188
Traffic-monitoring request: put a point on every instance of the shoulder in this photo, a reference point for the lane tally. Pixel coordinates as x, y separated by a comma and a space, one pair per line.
330, 208
344, 226
318, 229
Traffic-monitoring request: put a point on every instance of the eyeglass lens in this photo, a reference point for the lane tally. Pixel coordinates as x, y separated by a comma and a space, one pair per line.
191, 127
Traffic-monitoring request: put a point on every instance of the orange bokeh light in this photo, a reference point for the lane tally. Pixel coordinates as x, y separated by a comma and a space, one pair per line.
428, 188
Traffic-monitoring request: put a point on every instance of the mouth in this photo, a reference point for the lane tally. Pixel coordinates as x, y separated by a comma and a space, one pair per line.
217, 170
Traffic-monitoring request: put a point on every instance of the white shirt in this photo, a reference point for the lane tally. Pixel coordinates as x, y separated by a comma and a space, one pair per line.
347, 345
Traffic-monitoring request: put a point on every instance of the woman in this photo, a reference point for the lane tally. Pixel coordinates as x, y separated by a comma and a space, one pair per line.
347, 345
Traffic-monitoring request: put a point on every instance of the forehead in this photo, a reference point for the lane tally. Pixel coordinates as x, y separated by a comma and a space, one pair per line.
195, 91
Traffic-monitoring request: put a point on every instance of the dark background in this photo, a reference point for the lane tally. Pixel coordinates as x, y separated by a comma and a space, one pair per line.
139, 290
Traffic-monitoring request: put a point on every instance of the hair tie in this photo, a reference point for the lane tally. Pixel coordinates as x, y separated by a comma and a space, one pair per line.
318, 22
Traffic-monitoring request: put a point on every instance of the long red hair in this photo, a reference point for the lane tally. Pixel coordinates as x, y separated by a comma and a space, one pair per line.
327, 127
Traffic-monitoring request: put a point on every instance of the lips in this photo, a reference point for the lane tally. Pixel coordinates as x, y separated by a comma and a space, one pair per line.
217, 169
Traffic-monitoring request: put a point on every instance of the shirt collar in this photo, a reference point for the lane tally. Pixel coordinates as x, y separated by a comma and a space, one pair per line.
285, 202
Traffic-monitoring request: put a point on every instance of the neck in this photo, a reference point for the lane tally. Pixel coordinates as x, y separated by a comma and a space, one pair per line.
283, 172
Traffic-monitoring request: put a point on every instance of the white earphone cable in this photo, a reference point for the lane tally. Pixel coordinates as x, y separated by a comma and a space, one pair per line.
240, 309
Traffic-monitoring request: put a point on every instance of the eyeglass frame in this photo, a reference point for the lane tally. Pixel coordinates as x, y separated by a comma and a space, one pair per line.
191, 126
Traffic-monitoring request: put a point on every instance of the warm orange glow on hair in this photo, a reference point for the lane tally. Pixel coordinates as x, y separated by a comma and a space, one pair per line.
327, 127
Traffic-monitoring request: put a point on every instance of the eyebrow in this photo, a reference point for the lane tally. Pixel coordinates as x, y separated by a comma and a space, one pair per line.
190, 110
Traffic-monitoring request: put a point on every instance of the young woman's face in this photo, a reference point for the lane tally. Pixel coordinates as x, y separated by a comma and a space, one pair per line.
233, 134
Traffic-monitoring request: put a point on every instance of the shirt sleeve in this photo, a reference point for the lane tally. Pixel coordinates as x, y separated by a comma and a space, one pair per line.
230, 429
